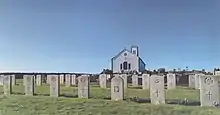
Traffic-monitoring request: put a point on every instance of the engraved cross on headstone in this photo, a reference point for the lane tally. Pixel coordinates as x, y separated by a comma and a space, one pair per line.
209, 95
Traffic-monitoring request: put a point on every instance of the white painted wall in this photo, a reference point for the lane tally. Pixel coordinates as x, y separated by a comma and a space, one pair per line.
130, 58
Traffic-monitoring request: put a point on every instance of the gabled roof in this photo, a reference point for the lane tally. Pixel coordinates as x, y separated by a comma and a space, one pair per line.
121, 53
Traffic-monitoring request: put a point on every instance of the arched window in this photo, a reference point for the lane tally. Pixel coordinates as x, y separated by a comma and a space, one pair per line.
121, 66
125, 65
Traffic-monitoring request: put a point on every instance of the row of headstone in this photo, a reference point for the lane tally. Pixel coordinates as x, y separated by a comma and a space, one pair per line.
209, 87
171, 80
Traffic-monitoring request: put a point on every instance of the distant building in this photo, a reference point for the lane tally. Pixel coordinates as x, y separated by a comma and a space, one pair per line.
128, 61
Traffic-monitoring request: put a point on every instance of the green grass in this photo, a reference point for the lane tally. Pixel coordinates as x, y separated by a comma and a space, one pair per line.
17, 104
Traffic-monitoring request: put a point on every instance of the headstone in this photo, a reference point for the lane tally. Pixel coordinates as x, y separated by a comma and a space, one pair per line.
117, 88
103, 80
209, 90
38, 80
83, 86
157, 93
54, 85
197, 81
13, 79
135, 80
62, 79
125, 79
7, 85
145, 81
29, 85
68, 80
192, 81
48, 79
1, 79
73, 79
171, 81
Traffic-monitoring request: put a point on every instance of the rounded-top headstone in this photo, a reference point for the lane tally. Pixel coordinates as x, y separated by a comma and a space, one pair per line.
117, 88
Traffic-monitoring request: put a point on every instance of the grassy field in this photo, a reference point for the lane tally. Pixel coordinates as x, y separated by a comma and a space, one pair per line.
98, 104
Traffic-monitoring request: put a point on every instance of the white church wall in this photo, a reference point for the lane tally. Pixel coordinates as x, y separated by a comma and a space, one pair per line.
130, 58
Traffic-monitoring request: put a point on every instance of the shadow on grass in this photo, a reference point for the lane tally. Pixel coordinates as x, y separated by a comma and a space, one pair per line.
168, 101
135, 87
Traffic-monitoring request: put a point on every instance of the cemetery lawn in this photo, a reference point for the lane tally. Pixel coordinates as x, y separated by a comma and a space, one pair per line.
98, 104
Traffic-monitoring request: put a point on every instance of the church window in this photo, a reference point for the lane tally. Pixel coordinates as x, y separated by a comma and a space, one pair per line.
125, 54
129, 66
125, 65
120, 66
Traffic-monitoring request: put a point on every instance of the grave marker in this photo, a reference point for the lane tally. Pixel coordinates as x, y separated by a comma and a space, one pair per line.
62, 79
29, 85
171, 81
83, 86
146, 81
54, 85
209, 90
68, 80
125, 80
117, 88
192, 81
73, 80
1, 79
103, 80
39, 80
7, 85
135, 80
13, 80
157, 89
197, 81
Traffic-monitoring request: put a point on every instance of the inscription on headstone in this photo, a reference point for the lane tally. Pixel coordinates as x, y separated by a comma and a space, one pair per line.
145, 81
54, 85
157, 89
209, 90
83, 86
117, 88
103, 80
7, 85
29, 85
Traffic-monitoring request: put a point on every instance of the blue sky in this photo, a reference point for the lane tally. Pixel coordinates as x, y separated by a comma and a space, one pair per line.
83, 35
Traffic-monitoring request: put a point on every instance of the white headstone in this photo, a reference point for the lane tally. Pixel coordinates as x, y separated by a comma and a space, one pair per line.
38, 80
83, 86
117, 88
73, 80
135, 80
54, 85
62, 79
209, 90
68, 80
157, 93
103, 80
146, 81
13, 80
1, 79
192, 81
125, 79
7, 85
197, 81
29, 85
171, 81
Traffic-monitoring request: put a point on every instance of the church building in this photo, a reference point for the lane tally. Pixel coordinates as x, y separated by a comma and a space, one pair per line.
127, 61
